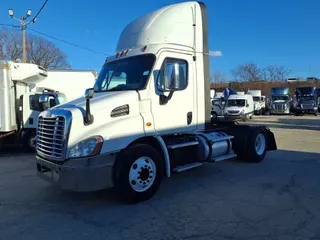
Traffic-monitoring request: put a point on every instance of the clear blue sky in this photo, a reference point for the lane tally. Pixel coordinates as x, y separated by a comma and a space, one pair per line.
284, 32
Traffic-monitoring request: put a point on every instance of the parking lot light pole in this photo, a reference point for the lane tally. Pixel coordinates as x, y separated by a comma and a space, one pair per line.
23, 24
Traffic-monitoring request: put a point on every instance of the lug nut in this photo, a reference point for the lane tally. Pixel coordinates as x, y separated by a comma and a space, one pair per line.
133, 182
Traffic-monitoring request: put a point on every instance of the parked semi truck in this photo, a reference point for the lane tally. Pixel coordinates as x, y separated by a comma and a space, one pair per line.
155, 123
279, 101
307, 100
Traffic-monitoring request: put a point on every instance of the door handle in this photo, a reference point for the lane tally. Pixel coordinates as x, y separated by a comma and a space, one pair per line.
189, 118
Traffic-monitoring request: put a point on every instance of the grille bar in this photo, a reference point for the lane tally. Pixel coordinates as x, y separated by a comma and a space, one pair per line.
50, 136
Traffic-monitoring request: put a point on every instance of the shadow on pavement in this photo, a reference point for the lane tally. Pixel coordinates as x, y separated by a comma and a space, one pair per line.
206, 177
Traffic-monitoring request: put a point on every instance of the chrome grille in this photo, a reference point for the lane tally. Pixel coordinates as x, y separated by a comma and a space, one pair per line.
279, 106
50, 136
306, 106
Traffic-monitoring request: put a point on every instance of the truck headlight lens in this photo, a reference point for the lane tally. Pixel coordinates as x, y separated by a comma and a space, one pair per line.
87, 147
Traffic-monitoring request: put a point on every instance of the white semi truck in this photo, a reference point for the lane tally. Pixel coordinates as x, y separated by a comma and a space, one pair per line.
20, 108
154, 123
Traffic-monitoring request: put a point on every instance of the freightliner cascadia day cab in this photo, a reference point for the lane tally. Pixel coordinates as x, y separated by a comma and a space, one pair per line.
153, 122
279, 101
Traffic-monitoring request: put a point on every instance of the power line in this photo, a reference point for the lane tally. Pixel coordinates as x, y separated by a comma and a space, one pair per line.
69, 43
8, 25
35, 17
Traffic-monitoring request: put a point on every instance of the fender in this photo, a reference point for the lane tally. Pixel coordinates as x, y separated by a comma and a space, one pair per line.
165, 155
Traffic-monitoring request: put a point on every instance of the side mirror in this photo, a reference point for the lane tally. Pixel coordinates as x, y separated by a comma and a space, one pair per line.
89, 93
43, 99
169, 77
247, 105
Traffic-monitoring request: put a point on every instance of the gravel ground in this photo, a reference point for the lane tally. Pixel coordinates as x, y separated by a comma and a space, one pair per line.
276, 199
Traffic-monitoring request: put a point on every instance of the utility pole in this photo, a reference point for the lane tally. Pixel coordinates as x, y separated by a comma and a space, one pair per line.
24, 25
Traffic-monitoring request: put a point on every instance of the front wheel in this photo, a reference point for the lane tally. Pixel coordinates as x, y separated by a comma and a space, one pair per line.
29, 141
138, 173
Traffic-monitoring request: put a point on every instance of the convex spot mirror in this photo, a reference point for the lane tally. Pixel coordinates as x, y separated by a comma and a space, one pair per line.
88, 94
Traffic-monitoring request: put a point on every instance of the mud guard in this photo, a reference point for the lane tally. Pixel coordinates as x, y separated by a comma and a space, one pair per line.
241, 134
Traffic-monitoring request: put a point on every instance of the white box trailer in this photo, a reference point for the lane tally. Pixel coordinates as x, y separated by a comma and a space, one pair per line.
155, 123
72, 83
20, 108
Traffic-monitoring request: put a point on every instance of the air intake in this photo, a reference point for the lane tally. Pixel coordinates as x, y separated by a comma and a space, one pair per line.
120, 111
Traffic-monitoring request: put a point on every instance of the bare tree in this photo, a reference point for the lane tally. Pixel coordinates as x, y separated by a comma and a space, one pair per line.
248, 73
276, 73
218, 77
39, 50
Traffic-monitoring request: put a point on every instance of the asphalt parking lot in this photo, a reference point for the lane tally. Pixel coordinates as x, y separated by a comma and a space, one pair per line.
276, 199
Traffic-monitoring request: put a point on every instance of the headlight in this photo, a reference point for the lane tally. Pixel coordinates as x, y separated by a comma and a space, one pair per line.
88, 147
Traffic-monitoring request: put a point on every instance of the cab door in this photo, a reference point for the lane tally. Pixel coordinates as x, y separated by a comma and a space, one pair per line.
173, 104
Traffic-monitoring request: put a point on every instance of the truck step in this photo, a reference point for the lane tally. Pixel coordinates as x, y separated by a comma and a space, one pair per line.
187, 167
180, 145
224, 157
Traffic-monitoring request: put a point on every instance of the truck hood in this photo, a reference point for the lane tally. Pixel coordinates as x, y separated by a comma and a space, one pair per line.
106, 101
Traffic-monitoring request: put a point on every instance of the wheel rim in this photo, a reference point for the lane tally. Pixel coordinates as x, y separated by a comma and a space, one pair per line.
32, 142
142, 174
260, 144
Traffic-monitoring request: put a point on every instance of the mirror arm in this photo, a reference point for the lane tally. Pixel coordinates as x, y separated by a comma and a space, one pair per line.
163, 100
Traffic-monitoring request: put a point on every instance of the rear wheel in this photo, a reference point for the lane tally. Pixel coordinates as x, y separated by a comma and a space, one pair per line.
256, 145
138, 173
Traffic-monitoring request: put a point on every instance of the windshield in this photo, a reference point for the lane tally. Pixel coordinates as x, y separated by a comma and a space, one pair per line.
125, 74
281, 98
61, 98
236, 103
256, 99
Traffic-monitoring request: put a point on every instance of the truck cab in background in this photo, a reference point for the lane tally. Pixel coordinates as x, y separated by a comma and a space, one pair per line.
19, 107
259, 103
307, 101
279, 101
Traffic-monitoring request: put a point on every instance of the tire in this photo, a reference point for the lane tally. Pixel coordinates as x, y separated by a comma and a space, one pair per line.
29, 142
254, 152
316, 114
133, 185
214, 115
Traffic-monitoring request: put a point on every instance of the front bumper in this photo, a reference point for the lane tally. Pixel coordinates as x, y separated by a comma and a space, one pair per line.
234, 117
277, 111
79, 174
304, 110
